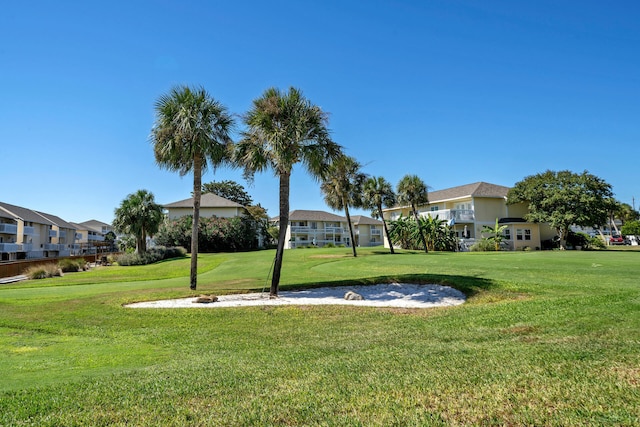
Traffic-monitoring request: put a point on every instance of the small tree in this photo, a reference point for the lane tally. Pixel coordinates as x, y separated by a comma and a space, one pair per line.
139, 216
495, 233
631, 228
376, 194
413, 191
342, 187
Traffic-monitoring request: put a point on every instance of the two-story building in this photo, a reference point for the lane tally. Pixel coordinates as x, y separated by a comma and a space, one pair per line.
467, 208
211, 205
319, 228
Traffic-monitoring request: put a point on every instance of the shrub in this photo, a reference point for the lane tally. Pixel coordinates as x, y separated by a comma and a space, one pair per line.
484, 245
153, 255
43, 271
329, 245
72, 265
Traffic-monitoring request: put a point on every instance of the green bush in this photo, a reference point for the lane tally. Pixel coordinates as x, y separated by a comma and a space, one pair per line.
68, 265
484, 245
153, 255
329, 245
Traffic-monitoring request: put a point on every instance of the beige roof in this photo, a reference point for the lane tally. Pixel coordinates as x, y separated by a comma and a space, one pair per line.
364, 220
477, 189
303, 215
208, 200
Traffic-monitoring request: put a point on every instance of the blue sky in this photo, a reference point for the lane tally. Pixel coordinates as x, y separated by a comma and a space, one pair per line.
453, 91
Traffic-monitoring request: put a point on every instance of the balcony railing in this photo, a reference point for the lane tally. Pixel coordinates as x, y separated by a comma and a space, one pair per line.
52, 247
334, 230
27, 247
376, 232
29, 231
53, 233
8, 228
458, 215
63, 233
94, 238
10, 247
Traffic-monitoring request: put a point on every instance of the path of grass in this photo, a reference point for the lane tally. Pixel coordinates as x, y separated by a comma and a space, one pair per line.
546, 338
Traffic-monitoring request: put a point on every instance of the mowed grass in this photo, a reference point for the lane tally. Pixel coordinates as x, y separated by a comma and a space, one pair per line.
546, 338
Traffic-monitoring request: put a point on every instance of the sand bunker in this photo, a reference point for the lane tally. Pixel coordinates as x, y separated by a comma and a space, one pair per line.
383, 295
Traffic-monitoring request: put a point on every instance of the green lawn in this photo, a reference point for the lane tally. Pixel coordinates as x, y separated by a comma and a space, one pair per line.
545, 338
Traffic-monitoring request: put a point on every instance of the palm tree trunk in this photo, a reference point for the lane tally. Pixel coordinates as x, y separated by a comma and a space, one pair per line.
284, 223
386, 230
197, 193
353, 241
424, 241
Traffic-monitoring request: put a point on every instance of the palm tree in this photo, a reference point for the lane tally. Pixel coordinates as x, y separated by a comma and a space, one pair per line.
377, 193
413, 191
140, 216
342, 187
190, 134
495, 232
285, 129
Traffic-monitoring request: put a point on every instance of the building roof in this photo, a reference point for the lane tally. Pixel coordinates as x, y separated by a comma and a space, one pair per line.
25, 214
207, 200
6, 214
364, 220
57, 220
477, 189
304, 215
94, 223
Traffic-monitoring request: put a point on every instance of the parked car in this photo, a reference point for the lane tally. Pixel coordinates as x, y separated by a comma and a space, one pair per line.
616, 240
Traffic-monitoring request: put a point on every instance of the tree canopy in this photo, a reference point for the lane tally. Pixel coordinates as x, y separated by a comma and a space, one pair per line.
564, 198
230, 190
377, 193
139, 216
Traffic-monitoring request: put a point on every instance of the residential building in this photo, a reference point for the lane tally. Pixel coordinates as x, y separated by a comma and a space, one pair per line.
467, 208
211, 205
90, 235
319, 228
29, 234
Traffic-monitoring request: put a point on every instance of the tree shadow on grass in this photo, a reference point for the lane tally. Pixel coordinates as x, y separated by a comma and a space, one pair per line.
470, 286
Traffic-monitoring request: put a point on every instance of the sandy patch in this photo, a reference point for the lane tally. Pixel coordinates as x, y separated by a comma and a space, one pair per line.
384, 295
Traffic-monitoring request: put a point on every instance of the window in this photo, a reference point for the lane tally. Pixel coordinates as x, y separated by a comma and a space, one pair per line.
523, 234
434, 208
507, 234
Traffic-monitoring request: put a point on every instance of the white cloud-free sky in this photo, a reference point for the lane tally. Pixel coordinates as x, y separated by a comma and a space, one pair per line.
453, 91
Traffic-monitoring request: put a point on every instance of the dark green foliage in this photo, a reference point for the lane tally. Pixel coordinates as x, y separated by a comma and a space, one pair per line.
214, 234
230, 190
484, 245
631, 228
564, 198
153, 255
405, 233
69, 265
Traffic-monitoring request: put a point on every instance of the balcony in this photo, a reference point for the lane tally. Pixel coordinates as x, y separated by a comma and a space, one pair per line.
63, 233
53, 233
52, 247
459, 215
10, 247
334, 230
95, 238
29, 231
376, 232
27, 247
8, 228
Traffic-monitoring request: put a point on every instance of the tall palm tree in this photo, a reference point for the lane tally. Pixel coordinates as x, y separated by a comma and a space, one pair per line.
190, 134
378, 193
140, 216
413, 191
342, 187
284, 128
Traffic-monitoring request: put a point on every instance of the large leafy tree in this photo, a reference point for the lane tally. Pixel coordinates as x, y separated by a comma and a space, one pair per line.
139, 216
230, 190
377, 193
564, 198
342, 188
284, 129
190, 134
412, 191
